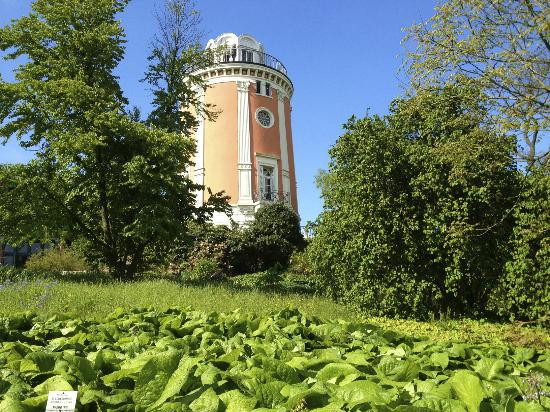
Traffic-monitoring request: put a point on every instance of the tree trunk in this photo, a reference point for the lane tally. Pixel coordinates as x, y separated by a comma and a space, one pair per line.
113, 260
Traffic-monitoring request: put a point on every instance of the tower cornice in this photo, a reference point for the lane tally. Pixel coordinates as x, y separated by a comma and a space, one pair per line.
235, 72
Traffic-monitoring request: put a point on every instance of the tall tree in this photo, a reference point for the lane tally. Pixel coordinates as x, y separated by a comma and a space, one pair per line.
99, 173
175, 57
504, 47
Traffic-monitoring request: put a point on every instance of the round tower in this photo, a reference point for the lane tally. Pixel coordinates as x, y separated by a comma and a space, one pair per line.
247, 151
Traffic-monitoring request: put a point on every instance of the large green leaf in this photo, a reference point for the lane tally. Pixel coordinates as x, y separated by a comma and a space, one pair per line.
235, 401
36, 401
397, 369
207, 402
176, 381
81, 367
45, 361
280, 370
358, 392
489, 368
523, 406
440, 359
153, 378
468, 389
441, 405
12, 405
55, 383
333, 371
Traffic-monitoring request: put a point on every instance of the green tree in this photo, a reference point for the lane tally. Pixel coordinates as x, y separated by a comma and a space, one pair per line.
176, 55
416, 208
99, 174
501, 46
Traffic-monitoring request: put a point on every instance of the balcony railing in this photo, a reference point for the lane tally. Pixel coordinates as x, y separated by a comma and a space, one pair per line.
240, 54
268, 196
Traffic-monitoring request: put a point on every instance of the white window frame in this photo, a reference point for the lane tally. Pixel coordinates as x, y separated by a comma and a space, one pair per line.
263, 160
258, 89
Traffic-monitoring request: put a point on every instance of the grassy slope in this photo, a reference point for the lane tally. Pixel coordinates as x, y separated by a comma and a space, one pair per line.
95, 301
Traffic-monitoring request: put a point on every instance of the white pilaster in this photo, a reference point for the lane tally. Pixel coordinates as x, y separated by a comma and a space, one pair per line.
199, 157
243, 130
283, 143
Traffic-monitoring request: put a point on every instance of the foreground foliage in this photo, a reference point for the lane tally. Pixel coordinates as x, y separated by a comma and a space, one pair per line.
176, 360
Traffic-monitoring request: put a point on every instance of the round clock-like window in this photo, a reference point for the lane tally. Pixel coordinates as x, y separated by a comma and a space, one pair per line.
264, 118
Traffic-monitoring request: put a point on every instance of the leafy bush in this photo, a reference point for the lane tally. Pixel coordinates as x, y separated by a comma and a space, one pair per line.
9, 273
56, 260
241, 252
275, 280
524, 290
202, 270
299, 263
270, 278
417, 204
270, 240
199, 243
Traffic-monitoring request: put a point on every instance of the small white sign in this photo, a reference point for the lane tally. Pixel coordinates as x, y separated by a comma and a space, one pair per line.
64, 401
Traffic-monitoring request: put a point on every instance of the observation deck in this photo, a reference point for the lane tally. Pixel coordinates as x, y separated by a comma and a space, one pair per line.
243, 54
233, 49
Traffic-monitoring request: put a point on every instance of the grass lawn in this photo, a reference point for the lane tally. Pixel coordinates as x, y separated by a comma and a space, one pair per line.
95, 301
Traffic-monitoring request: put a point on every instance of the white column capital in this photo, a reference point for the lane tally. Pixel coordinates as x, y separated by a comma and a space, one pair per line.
281, 95
243, 85
244, 166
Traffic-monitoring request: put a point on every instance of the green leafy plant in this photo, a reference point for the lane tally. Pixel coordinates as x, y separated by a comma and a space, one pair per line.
203, 270
260, 280
144, 359
57, 260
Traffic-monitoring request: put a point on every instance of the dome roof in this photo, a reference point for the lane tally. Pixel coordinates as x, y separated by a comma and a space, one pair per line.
231, 39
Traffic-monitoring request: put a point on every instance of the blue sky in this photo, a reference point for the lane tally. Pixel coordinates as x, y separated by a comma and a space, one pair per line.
343, 58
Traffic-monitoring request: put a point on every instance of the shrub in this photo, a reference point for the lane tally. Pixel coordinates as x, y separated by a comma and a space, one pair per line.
260, 280
269, 241
242, 252
203, 270
417, 205
524, 290
9, 273
201, 241
56, 260
299, 264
